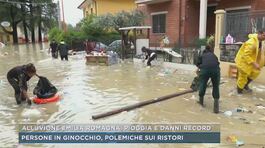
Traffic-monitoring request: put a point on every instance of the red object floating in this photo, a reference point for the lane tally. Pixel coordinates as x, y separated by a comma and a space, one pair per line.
55, 98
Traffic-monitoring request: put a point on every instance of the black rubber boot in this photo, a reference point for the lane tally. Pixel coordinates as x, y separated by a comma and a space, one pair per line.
216, 106
201, 101
23, 98
18, 99
246, 86
239, 90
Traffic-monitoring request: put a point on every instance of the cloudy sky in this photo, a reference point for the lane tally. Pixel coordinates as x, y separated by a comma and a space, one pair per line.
72, 14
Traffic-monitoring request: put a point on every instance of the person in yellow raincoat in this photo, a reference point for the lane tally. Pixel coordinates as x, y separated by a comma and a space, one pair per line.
249, 61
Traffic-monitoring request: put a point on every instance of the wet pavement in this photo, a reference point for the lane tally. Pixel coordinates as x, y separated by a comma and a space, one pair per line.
87, 90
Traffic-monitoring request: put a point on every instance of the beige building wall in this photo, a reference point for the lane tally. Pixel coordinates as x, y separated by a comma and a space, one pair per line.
114, 6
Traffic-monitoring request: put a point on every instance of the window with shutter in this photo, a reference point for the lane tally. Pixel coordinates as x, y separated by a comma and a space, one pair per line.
159, 23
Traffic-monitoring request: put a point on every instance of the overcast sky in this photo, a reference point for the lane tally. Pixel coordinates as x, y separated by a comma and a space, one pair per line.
72, 14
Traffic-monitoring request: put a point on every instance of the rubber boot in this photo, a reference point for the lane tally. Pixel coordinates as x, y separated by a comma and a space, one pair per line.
239, 90
18, 99
216, 106
247, 87
23, 98
201, 101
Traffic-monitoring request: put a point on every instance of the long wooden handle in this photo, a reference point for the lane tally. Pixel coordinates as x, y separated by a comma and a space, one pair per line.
140, 104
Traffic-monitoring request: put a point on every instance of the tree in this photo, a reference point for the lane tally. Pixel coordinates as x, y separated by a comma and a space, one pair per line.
92, 30
119, 20
56, 34
24, 19
10, 12
46, 14
28, 14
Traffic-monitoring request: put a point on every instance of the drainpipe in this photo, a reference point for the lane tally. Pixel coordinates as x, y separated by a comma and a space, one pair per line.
179, 40
203, 19
96, 7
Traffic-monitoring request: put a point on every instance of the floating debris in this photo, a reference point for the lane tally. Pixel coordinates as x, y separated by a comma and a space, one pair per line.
228, 113
260, 106
259, 89
262, 119
239, 143
239, 109
235, 140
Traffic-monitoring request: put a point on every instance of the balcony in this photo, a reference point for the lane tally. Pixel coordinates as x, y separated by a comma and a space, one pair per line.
150, 1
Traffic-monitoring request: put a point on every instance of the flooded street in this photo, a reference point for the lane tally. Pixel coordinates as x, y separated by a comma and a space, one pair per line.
88, 90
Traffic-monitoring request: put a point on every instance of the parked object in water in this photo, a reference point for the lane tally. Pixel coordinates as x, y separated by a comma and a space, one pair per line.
115, 45
54, 98
100, 47
44, 88
113, 57
45, 92
97, 59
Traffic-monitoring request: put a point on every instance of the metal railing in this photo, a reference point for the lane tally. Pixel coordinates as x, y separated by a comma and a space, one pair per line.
189, 54
240, 24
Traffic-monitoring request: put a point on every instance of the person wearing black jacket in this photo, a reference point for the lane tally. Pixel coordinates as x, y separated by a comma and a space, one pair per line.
63, 50
53, 48
208, 66
150, 55
18, 77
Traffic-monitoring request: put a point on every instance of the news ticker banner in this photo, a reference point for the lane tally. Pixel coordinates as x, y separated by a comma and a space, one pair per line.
119, 133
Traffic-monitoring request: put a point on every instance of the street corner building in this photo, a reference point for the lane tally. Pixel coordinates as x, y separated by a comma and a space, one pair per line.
184, 21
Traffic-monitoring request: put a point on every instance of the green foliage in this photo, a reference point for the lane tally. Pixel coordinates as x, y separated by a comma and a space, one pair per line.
120, 19
95, 32
109, 37
206, 41
103, 28
200, 42
56, 34
73, 36
92, 31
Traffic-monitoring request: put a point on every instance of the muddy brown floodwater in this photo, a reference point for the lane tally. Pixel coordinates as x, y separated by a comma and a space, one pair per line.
88, 90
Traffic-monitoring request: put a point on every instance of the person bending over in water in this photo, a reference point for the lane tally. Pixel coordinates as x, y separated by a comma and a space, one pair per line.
18, 77
149, 54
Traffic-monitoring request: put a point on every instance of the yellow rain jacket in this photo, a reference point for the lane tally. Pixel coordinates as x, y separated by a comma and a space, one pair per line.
248, 53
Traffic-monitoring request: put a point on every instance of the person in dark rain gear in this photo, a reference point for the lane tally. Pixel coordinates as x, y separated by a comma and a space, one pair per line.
208, 67
53, 49
149, 55
63, 50
18, 77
